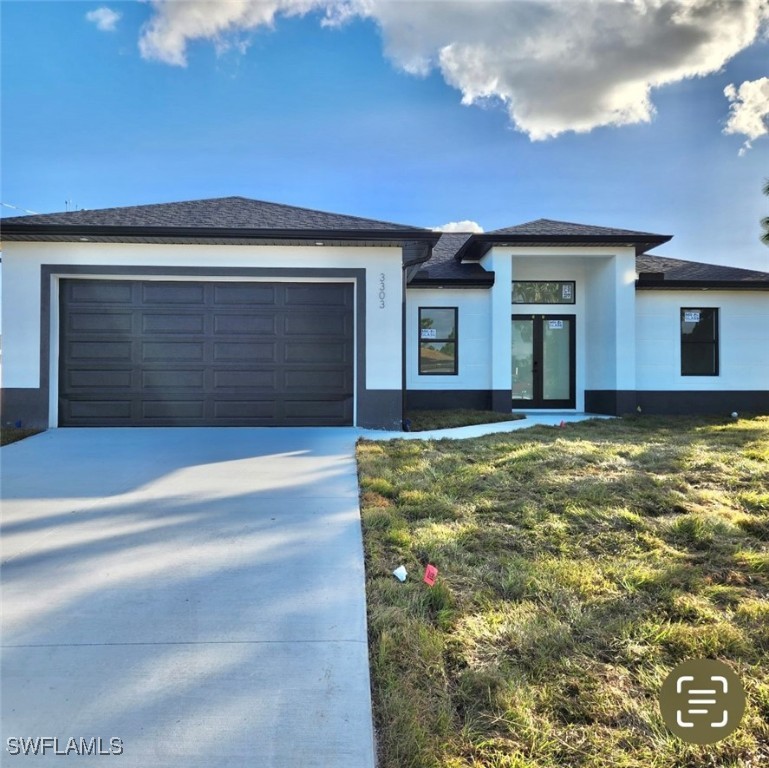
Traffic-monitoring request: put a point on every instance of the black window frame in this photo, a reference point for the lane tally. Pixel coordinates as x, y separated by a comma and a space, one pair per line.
715, 342
572, 283
454, 341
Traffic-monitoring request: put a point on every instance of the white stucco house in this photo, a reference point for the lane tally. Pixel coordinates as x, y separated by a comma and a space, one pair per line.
239, 312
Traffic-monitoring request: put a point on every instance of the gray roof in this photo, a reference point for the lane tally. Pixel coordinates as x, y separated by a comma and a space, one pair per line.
547, 232
444, 269
230, 213
552, 228
678, 270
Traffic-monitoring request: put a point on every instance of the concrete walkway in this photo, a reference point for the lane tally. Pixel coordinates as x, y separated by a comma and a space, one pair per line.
196, 593
533, 418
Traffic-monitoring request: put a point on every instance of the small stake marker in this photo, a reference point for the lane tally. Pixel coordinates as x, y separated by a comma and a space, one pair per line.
430, 573
562, 424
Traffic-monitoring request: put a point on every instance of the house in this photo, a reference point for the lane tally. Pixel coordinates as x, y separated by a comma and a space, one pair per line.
238, 312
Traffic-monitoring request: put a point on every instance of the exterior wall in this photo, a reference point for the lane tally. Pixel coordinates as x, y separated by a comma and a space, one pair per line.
30, 331
743, 341
473, 346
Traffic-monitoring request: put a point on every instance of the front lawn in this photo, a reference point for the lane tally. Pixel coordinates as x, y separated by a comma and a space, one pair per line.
578, 566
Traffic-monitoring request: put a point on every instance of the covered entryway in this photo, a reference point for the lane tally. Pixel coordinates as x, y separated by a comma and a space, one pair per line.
543, 361
189, 353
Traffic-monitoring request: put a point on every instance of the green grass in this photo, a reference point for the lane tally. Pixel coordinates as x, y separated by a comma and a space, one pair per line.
457, 417
10, 435
577, 568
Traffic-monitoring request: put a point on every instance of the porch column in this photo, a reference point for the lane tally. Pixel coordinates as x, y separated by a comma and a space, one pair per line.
501, 330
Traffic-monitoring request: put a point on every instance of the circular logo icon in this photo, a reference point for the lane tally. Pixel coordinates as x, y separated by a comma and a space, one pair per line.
702, 701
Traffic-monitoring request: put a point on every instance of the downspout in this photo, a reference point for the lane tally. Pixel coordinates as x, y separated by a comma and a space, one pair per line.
404, 425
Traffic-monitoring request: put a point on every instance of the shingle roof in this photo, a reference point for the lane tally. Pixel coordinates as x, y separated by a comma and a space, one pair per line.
678, 270
550, 227
215, 213
444, 269
547, 232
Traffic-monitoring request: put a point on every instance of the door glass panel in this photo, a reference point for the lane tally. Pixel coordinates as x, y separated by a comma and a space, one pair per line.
523, 359
555, 359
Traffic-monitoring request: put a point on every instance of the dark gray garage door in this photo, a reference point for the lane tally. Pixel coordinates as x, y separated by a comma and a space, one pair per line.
151, 353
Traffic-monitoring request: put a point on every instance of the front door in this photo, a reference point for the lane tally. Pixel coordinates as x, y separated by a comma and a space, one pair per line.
543, 361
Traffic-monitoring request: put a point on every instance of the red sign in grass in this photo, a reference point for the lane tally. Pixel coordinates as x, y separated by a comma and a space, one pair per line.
430, 573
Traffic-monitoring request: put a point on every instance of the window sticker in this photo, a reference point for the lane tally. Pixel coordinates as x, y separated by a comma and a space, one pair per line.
429, 333
692, 316
555, 325
566, 291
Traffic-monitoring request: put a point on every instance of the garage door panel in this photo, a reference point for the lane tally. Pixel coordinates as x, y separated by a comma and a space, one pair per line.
244, 293
331, 380
244, 324
248, 380
101, 350
198, 353
99, 379
174, 379
174, 410
102, 322
318, 294
319, 324
264, 411
170, 351
316, 352
98, 291
305, 410
97, 411
246, 352
173, 323
173, 293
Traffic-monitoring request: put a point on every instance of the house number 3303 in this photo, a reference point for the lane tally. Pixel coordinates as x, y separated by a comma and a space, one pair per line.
382, 292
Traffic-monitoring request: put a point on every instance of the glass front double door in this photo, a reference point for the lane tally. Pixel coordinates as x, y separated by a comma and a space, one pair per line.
543, 361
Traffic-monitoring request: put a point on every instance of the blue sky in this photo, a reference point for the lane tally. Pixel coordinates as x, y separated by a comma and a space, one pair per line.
571, 112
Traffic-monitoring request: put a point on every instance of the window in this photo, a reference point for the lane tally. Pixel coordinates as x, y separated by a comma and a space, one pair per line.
543, 292
699, 342
438, 340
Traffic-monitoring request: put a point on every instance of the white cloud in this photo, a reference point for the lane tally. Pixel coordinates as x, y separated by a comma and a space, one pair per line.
460, 226
749, 110
105, 18
567, 66
177, 22
554, 65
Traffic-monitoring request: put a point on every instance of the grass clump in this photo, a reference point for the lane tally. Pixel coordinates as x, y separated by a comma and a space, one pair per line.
577, 568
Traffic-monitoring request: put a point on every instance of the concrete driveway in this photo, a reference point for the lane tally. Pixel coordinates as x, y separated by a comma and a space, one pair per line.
197, 594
